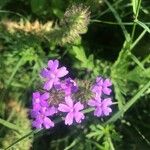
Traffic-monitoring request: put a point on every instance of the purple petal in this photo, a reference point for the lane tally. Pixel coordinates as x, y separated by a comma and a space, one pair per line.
107, 111
92, 103
45, 96
107, 82
36, 106
44, 103
34, 113
69, 119
36, 96
78, 106
51, 111
79, 116
98, 79
97, 89
107, 102
69, 101
61, 72
98, 112
36, 124
45, 73
107, 91
48, 85
63, 108
53, 65
48, 123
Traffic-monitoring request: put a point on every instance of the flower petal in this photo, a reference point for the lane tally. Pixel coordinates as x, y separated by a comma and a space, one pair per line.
107, 102
107, 90
53, 65
79, 116
69, 101
36, 124
63, 108
107, 82
98, 112
48, 84
107, 111
50, 111
92, 103
78, 106
45, 73
69, 119
45, 96
99, 80
61, 72
48, 123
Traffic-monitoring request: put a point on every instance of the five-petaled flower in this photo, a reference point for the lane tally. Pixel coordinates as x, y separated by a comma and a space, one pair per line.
73, 111
102, 86
42, 117
39, 100
52, 74
41, 110
102, 107
69, 86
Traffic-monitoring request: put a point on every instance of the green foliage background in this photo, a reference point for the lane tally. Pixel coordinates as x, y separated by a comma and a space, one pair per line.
92, 38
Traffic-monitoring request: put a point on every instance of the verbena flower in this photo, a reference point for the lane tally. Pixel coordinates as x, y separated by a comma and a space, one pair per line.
72, 110
41, 111
52, 74
102, 86
69, 86
102, 107
42, 117
39, 100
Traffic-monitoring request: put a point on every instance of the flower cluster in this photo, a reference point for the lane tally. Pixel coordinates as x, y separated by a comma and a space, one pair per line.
58, 97
100, 90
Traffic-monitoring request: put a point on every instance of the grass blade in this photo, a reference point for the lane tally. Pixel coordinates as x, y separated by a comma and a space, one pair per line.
9, 125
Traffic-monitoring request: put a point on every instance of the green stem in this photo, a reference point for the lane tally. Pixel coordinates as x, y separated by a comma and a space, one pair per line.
116, 116
136, 16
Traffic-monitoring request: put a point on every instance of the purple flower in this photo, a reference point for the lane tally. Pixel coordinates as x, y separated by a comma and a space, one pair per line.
41, 111
39, 100
69, 86
102, 107
52, 74
73, 111
42, 118
102, 86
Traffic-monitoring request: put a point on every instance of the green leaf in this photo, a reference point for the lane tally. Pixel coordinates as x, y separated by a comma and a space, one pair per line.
79, 53
135, 4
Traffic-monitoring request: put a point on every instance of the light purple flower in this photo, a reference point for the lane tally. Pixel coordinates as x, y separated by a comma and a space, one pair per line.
42, 118
52, 74
72, 110
102, 107
39, 100
102, 86
69, 86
